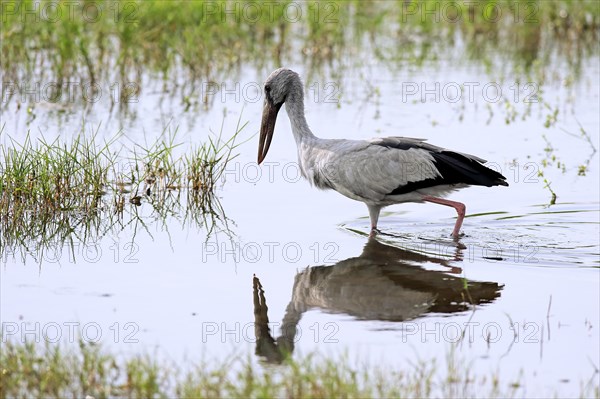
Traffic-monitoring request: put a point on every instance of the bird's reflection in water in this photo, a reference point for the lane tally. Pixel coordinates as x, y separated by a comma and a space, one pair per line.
383, 283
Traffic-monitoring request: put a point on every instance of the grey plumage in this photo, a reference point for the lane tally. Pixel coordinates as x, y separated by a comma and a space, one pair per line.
378, 172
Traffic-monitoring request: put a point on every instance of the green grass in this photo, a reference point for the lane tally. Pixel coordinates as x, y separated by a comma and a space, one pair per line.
198, 41
83, 188
58, 371
187, 49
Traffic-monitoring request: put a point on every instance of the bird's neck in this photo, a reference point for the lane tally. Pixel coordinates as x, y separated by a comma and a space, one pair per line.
295, 110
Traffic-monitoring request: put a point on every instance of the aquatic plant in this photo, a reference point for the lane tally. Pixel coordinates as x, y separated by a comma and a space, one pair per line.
53, 192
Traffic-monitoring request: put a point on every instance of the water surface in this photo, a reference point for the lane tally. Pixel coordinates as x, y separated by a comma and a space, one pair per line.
294, 269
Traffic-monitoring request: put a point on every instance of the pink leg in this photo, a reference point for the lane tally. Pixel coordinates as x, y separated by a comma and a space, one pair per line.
374, 216
460, 210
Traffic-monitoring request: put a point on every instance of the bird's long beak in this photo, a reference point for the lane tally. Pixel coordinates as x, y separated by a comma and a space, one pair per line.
267, 128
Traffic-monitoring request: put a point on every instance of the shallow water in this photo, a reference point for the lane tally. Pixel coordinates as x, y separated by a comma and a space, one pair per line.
518, 293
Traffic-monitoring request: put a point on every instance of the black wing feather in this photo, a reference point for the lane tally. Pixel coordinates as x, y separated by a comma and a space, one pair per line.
459, 168
454, 167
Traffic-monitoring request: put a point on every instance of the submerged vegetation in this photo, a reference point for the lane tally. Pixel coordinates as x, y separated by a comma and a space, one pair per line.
54, 371
81, 188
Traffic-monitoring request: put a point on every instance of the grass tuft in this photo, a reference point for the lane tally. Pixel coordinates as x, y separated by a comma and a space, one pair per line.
52, 192
56, 371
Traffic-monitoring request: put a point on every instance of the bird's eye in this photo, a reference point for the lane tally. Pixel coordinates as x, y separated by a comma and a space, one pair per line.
268, 89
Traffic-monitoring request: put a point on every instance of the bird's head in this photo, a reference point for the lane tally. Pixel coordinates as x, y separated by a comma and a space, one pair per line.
279, 86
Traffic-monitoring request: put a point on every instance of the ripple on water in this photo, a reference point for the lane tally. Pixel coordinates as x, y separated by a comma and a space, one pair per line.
562, 235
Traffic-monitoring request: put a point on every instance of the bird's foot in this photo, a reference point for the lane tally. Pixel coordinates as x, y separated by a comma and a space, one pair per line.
457, 235
456, 239
374, 232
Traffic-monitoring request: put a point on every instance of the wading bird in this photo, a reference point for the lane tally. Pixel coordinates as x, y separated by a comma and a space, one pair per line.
378, 172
